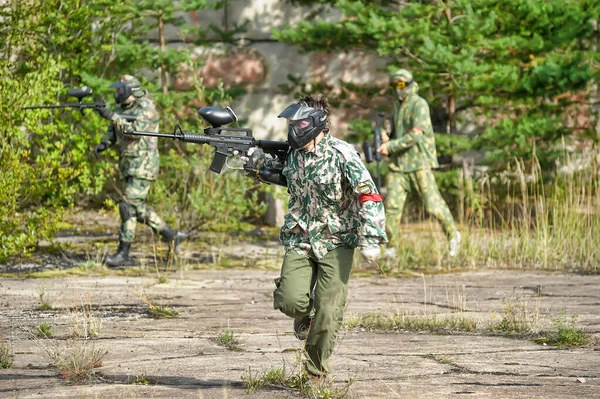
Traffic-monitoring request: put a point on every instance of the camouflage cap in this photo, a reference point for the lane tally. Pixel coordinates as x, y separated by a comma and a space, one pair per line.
401, 75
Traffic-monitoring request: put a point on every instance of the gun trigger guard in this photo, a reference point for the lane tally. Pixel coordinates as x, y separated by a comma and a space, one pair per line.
229, 167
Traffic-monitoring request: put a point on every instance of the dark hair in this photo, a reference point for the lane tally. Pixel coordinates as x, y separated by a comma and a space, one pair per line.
317, 102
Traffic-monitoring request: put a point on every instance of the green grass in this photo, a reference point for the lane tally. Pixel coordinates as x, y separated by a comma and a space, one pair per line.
7, 356
226, 338
162, 312
157, 311
44, 305
566, 333
515, 221
433, 323
518, 318
74, 360
295, 379
143, 380
44, 330
84, 323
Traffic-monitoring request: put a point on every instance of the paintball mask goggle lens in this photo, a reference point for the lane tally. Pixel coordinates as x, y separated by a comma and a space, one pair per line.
301, 124
398, 85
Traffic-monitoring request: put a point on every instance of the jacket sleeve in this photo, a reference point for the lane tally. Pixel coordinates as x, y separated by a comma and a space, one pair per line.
420, 122
109, 136
147, 120
267, 161
371, 212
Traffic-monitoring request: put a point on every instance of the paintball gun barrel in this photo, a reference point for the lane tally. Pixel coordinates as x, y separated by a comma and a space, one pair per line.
80, 93
370, 150
227, 145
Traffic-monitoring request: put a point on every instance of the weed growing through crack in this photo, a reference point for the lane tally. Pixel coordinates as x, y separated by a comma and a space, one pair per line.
157, 311
227, 339
296, 379
44, 304
95, 261
565, 333
75, 360
7, 356
44, 330
84, 323
518, 318
143, 380
410, 322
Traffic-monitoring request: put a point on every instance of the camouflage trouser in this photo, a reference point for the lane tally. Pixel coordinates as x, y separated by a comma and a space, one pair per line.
133, 208
399, 185
299, 274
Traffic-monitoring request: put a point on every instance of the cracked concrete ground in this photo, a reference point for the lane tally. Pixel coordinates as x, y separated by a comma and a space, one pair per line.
180, 356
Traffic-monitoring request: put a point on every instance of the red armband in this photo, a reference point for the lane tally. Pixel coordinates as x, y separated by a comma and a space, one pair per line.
369, 197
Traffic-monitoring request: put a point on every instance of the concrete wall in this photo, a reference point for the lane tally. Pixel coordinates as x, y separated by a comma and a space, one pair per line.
261, 65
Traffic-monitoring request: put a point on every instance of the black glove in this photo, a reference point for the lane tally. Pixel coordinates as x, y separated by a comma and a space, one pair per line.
99, 148
104, 112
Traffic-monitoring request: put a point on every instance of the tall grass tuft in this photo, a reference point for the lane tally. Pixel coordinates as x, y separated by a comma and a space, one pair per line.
517, 219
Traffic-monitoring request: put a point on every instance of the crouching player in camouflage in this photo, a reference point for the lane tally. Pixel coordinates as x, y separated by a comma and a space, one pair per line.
138, 164
413, 155
334, 207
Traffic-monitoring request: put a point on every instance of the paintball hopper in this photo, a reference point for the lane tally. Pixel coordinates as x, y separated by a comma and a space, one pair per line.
80, 92
217, 117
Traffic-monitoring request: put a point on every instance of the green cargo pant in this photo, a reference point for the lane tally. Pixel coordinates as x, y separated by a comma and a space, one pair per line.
299, 275
133, 208
423, 182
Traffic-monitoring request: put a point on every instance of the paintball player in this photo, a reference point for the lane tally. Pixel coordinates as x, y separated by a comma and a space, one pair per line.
413, 155
138, 165
334, 207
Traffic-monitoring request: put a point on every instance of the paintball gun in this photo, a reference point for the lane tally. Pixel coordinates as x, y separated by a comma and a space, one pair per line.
80, 93
227, 145
371, 150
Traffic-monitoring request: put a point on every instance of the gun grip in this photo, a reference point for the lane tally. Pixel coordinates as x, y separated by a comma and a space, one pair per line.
218, 162
368, 150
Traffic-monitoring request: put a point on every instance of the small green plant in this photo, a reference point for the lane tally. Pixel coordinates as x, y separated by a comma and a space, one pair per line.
296, 378
565, 333
517, 317
44, 330
227, 339
143, 380
157, 311
7, 356
44, 304
162, 279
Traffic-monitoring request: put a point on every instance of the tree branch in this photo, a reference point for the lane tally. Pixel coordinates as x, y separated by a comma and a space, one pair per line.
414, 57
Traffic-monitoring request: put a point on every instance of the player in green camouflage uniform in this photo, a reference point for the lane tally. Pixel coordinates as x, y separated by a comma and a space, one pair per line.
413, 155
334, 207
138, 164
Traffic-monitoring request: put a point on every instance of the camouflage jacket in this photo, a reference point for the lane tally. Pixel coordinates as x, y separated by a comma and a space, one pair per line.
138, 156
324, 209
413, 144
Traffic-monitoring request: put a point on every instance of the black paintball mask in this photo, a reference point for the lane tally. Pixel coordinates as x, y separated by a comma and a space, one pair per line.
305, 124
123, 90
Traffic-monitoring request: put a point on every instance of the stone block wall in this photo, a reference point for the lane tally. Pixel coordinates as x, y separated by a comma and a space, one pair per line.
261, 65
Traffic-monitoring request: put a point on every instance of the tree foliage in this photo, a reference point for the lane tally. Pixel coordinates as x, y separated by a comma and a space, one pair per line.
511, 61
46, 164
